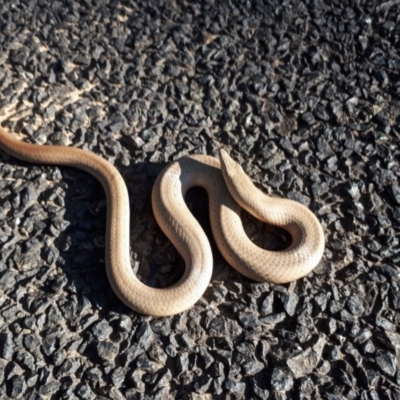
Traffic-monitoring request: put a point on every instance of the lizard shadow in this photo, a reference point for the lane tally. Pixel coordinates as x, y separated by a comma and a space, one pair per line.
153, 257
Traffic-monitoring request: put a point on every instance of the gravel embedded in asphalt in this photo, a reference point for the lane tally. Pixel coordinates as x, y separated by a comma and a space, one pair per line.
304, 94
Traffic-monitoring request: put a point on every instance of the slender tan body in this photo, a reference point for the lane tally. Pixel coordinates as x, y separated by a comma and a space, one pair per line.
183, 230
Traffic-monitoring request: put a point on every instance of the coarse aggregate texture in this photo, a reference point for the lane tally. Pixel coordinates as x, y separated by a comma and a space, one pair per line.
305, 94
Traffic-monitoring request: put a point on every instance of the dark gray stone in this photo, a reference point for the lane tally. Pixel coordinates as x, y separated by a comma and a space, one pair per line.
50, 388
17, 386
107, 350
355, 306
387, 362
273, 318
6, 346
161, 326
102, 330
290, 301
235, 388
249, 320
281, 380
252, 368
144, 335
